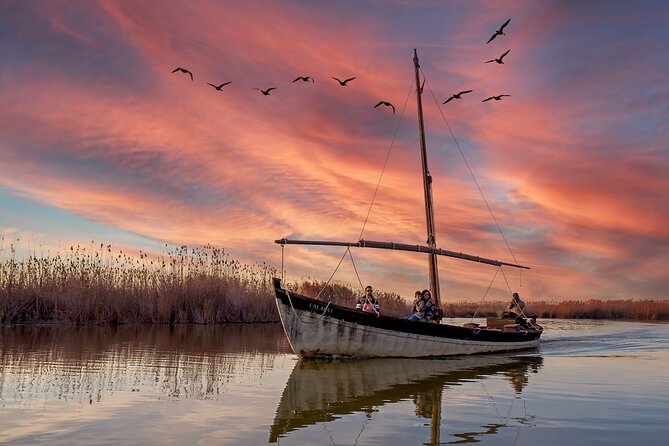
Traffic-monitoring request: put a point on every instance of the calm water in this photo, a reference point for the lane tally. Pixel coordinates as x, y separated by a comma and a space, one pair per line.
590, 383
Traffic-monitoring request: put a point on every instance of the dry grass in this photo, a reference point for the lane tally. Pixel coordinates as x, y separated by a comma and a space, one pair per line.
391, 304
98, 284
639, 310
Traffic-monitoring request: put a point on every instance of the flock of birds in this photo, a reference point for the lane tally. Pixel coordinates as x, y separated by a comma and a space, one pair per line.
499, 60
344, 83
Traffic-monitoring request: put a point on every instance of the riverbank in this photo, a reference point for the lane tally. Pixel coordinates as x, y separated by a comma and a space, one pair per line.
99, 285
628, 309
104, 286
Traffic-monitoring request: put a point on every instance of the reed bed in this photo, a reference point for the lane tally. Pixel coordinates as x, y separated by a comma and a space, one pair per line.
628, 309
391, 304
99, 284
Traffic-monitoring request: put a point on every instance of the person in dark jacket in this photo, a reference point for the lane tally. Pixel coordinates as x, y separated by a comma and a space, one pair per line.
368, 302
423, 308
426, 307
516, 307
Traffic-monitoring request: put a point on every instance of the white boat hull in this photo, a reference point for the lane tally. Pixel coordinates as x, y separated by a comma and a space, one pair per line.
313, 334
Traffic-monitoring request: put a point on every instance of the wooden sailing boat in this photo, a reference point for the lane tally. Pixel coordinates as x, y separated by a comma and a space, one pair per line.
318, 328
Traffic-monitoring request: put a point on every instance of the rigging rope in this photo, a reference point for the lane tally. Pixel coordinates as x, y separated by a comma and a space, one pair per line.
469, 168
356, 270
486, 292
333, 273
386, 161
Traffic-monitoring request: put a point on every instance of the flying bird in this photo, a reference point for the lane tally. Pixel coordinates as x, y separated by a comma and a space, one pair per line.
343, 83
265, 92
387, 104
457, 96
304, 79
218, 87
499, 32
497, 98
183, 70
499, 60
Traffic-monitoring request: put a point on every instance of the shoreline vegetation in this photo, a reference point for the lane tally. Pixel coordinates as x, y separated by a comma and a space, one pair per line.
97, 284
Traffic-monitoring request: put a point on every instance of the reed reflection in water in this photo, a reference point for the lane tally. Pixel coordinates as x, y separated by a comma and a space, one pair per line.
104, 384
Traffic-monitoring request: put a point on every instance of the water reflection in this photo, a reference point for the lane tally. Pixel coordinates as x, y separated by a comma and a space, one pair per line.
323, 391
87, 363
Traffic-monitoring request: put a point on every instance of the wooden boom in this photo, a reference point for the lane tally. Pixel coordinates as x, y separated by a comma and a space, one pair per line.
400, 247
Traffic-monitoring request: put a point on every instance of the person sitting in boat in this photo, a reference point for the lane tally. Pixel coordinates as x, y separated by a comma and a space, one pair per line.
515, 308
368, 303
417, 297
425, 308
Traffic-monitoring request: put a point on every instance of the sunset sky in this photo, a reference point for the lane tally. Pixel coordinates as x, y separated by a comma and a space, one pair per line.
100, 141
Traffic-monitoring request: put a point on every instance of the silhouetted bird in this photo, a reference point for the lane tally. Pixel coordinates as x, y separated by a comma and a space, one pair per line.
219, 86
499, 60
343, 83
183, 70
387, 104
499, 32
265, 92
457, 96
497, 98
304, 79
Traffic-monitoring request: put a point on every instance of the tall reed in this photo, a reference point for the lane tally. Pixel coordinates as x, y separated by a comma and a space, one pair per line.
100, 284
628, 309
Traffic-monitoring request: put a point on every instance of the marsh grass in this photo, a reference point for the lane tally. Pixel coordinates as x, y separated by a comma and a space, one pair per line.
391, 304
628, 309
99, 284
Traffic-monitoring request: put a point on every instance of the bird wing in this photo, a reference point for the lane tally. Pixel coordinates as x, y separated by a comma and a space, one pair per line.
505, 23
466, 91
312, 79
502, 56
491, 60
449, 99
349, 79
270, 89
392, 107
380, 102
297, 79
223, 85
502, 95
338, 80
191, 74
492, 38
175, 70
212, 85
487, 99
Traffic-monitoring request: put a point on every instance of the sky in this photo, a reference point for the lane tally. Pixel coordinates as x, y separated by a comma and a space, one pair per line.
100, 141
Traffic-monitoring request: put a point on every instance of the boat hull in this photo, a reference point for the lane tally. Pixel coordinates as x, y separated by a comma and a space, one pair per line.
318, 329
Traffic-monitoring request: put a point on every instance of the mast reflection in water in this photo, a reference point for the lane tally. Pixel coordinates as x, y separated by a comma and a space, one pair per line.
323, 391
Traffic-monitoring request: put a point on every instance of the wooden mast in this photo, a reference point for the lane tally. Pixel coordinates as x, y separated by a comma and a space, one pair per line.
427, 185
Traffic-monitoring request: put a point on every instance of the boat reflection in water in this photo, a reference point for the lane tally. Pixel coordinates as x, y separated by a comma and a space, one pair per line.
323, 391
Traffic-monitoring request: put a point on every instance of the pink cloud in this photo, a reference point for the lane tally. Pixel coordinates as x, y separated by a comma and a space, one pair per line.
158, 155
